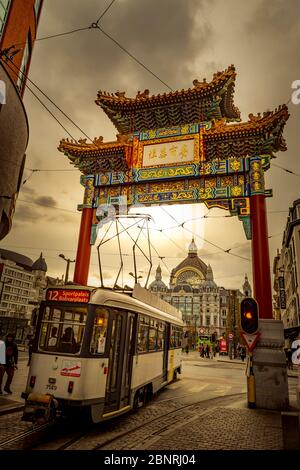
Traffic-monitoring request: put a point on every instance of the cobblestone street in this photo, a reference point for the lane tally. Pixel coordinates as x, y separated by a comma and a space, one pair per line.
205, 409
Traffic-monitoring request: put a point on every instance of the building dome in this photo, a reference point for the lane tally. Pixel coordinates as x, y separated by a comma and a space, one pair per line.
158, 285
209, 281
40, 264
192, 270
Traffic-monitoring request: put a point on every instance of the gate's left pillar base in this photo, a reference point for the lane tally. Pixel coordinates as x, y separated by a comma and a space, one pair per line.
269, 367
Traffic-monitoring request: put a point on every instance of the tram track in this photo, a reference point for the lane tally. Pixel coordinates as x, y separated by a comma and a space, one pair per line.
105, 434
201, 404
163, 416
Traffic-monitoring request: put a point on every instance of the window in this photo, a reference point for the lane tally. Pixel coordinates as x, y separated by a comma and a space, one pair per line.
99, 334
176, 336
4, 7
152, 339
62, 329
161, 336
142, 345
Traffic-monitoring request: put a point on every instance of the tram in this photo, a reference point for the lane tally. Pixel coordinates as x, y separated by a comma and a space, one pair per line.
100, 351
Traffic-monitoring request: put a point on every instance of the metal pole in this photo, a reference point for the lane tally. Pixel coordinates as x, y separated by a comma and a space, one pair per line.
251, 383
67, 270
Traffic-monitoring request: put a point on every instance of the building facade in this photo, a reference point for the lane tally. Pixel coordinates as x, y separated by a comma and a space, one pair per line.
22, 288
287, 276
18, 28
206, 307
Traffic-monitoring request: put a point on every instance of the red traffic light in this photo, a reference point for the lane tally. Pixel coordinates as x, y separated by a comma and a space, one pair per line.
249, 315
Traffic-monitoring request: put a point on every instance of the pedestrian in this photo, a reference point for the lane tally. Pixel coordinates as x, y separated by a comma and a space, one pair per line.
289, 358
11, 361
187, 349
242, 353
2, 360
30, 348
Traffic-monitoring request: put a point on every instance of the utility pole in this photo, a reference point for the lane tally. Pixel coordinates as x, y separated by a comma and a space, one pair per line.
68, 261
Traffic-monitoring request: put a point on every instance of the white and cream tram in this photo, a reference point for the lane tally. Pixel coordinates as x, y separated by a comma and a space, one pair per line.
100, 351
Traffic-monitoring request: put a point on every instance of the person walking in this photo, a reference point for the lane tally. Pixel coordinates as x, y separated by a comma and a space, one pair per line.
11, 359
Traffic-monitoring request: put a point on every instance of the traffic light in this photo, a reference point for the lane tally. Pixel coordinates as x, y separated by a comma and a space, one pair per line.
249, 315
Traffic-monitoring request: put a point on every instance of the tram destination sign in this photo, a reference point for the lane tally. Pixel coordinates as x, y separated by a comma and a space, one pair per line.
68, 295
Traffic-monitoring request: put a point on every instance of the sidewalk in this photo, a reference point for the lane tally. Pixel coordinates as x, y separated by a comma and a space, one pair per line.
195, 356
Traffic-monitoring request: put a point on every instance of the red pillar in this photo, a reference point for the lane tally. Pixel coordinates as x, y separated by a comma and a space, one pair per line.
260, 256
82, 263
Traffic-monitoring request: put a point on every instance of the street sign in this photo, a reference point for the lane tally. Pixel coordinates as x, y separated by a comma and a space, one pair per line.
250, 340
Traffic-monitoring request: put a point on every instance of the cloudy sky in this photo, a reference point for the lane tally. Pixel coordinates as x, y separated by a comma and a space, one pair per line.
179, 40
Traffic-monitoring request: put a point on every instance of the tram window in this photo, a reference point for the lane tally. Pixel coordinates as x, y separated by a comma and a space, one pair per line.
43, 335
52, 341
152, 339
160, 340
98, 339
179, 340
172, 338
175, 337
68, 316
142, 338
62, 330
47, 313
56, 314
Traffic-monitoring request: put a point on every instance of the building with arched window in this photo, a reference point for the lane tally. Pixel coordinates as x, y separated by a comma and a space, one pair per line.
206, 307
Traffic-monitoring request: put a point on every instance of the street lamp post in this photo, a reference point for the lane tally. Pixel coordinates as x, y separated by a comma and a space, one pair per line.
135, 277
68, 260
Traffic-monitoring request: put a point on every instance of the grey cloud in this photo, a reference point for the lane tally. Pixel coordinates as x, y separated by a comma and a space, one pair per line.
61, 218
27, 214
163, 35
46, 201
278, 17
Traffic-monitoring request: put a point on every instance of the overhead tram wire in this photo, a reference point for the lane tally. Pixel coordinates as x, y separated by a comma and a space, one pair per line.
43, 104
286, 170
47, 205
105, 11
206, 241
54, 36
96, 26
66, 33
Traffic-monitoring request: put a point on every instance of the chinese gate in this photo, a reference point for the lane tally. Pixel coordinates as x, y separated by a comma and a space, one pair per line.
182, 147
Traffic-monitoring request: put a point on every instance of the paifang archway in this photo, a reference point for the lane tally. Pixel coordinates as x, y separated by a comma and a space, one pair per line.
182, 147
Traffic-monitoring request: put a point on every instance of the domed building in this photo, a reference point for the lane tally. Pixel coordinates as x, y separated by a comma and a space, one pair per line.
158, 286
22, 286
204, 305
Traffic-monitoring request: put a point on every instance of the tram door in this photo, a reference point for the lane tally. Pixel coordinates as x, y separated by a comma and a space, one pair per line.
120, 361
166, 350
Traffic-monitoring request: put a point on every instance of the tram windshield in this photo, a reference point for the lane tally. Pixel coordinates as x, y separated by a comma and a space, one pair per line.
62, 329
